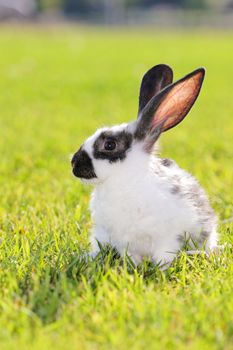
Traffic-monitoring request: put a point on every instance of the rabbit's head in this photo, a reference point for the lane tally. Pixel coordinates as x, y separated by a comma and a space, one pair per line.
109, 152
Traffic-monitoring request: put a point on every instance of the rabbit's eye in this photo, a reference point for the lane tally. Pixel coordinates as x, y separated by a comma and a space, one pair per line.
109, 145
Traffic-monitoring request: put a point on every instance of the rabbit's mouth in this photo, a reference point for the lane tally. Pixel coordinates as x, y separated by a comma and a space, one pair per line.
82, 165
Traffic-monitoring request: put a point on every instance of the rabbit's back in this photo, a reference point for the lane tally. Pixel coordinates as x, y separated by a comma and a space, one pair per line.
184, 186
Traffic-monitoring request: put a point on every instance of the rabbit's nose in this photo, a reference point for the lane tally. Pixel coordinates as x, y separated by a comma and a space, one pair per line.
82, 165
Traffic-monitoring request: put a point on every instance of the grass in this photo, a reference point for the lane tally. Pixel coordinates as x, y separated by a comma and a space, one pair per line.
57, 86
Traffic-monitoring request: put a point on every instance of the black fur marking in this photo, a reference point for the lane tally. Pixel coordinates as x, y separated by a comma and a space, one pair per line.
167, 162
196, 195
175, 189
123, 141
200, 201
82, 165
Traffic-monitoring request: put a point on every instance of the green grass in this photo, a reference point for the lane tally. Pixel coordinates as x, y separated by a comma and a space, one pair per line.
57, 86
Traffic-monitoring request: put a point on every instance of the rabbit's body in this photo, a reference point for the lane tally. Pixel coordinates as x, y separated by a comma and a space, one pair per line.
141, 204
150, 208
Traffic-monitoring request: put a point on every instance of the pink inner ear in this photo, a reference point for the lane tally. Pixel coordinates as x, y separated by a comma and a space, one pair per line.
178, 102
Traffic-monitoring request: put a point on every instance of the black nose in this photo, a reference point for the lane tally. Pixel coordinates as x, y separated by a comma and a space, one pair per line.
82, 165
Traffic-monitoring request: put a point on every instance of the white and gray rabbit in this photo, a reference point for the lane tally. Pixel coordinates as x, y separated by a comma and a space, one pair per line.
142, 204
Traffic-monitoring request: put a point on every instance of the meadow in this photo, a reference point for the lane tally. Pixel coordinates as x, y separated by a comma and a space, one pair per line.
58, 84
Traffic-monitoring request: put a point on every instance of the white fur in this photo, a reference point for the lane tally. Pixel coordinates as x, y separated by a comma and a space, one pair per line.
134, 209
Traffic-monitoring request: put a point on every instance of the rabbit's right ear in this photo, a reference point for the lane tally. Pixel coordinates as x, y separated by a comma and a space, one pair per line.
153, 81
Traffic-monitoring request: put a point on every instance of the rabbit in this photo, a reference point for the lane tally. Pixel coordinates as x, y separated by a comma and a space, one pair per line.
144, 205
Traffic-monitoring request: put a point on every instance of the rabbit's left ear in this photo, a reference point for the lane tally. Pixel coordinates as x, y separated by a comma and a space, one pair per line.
168, 108
154, 80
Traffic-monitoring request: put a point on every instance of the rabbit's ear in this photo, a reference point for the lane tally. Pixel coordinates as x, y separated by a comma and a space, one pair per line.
153, 81
168, 107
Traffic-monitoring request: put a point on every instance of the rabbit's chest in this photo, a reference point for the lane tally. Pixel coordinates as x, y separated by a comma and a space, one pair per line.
126, 226
127, 217
114, 213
